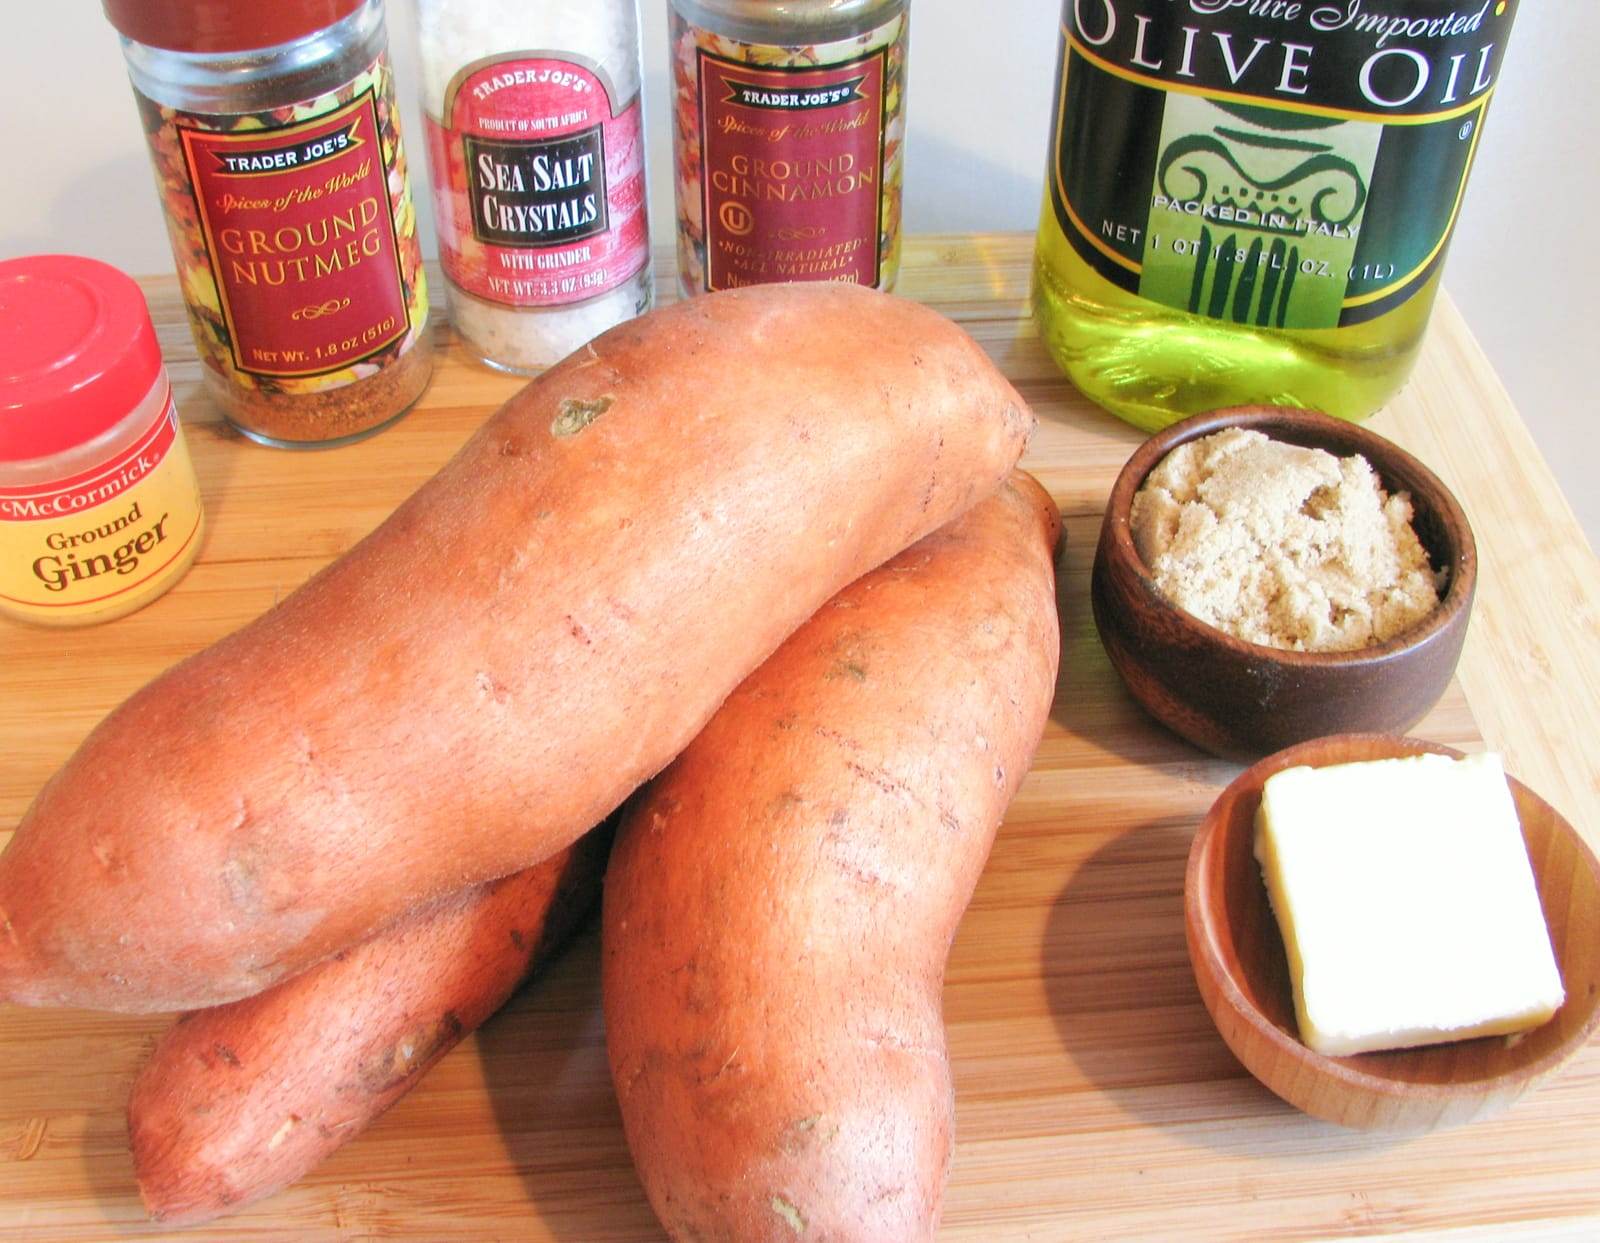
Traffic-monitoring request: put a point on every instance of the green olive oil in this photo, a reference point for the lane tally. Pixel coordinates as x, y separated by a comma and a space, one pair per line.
1251, 200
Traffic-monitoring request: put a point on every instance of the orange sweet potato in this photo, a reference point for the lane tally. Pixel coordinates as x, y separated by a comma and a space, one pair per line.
239, 1101
781, 900
543, 625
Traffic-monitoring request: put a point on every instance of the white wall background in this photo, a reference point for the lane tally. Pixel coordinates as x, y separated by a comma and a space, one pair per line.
1524, 266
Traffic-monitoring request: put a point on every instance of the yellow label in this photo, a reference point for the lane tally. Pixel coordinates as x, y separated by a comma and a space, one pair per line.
105, 541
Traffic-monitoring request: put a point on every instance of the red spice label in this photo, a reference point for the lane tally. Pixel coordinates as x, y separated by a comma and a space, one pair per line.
538, 182
299, 166
301, 234
792, 170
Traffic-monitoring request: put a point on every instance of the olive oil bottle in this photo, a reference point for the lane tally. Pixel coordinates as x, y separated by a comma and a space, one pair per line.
1251, 200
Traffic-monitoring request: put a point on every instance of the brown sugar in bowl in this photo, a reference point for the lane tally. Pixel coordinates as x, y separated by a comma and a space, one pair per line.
1243, 974
1243, 700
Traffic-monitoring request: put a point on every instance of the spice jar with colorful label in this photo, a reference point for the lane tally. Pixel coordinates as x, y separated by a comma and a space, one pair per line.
276, 144
536, 148
789, 121
99, 509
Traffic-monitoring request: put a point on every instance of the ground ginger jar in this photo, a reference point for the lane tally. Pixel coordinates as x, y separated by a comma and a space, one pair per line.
99, 508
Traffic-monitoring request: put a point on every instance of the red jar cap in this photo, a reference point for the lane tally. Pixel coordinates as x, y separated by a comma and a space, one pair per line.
77, 352
223, 25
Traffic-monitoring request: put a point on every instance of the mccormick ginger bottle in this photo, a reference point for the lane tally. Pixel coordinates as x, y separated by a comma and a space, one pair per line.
1251, 200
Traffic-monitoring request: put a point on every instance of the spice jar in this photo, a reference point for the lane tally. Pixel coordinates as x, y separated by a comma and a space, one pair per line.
788, 125
536, 148
99, 509
276, 144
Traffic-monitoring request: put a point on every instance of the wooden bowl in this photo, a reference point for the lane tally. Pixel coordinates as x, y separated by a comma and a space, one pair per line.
1239, 962
1242, 700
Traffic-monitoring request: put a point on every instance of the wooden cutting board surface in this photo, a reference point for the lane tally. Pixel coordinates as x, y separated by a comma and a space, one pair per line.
1094, 1098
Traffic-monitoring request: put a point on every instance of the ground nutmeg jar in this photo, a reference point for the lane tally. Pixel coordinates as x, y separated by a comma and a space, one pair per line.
276, 144
99, 509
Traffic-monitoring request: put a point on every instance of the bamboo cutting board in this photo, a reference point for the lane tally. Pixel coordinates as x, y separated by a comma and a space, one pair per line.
1094, 1098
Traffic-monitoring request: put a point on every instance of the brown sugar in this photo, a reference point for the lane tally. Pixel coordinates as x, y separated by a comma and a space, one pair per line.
1282, 545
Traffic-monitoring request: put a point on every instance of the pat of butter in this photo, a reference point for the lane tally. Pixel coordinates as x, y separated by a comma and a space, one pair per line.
1407, 903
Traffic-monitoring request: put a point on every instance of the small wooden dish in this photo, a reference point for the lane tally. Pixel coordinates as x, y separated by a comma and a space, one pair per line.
1239, 963
1242, 700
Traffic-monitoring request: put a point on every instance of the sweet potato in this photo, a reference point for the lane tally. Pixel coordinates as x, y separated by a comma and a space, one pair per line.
781, 900
543, 626
239, 1101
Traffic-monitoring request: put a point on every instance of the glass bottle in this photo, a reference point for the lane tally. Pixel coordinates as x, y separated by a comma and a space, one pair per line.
536, 148
1252, 203
788, 140
276, 144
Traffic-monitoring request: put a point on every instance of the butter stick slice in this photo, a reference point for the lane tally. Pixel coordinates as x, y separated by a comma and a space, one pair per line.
1407, 903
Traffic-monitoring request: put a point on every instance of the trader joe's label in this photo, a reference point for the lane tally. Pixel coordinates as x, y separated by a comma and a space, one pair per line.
294, 234
1285, 163
538, 181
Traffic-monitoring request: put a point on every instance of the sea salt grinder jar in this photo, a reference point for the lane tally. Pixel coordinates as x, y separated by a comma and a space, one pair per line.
536, 148
99, 509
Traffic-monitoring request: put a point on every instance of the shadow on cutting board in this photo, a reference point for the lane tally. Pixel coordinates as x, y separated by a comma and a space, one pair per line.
544, 1064
1129, 1015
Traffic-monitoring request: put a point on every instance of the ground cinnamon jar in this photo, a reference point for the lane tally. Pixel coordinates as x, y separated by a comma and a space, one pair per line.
99, 509
276, 144
789, 127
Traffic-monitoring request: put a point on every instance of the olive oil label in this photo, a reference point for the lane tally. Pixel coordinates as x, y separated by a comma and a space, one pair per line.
538, 179
77, 544
788, 158
1270, 162
295, 235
